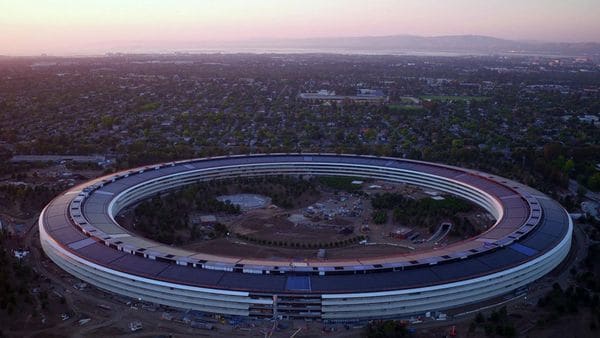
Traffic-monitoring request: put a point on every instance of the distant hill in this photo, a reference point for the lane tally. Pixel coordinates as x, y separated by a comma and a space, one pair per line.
463, 44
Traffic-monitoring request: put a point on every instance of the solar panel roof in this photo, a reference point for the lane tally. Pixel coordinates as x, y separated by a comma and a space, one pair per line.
553, 225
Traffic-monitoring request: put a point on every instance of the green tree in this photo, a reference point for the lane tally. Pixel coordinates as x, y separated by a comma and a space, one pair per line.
594, 182
379, 216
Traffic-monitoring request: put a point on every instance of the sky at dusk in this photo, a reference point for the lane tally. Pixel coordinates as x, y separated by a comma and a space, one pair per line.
29, 27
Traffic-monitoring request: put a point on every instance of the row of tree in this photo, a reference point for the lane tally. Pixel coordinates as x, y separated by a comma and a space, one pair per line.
25, 198
303, 244
422, 211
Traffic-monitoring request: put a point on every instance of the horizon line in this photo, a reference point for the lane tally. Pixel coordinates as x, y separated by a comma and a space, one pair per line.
217, 46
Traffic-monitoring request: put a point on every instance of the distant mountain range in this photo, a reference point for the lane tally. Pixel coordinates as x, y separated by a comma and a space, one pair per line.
394, 44
459, 44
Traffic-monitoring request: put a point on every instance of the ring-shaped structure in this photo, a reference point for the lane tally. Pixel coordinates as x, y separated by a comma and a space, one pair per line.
531, 236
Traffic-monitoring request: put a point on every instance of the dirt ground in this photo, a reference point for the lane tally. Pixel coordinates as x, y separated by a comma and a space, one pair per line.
242, 249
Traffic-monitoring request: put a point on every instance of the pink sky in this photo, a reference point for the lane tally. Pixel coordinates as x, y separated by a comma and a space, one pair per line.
81, 27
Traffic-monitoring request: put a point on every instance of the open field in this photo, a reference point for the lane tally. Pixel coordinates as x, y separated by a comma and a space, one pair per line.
446, 98
406, 108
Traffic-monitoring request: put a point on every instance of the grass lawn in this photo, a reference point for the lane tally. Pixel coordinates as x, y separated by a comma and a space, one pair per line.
406, 108
454, 98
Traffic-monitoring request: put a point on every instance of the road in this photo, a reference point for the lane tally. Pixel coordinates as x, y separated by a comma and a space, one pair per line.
574, 186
